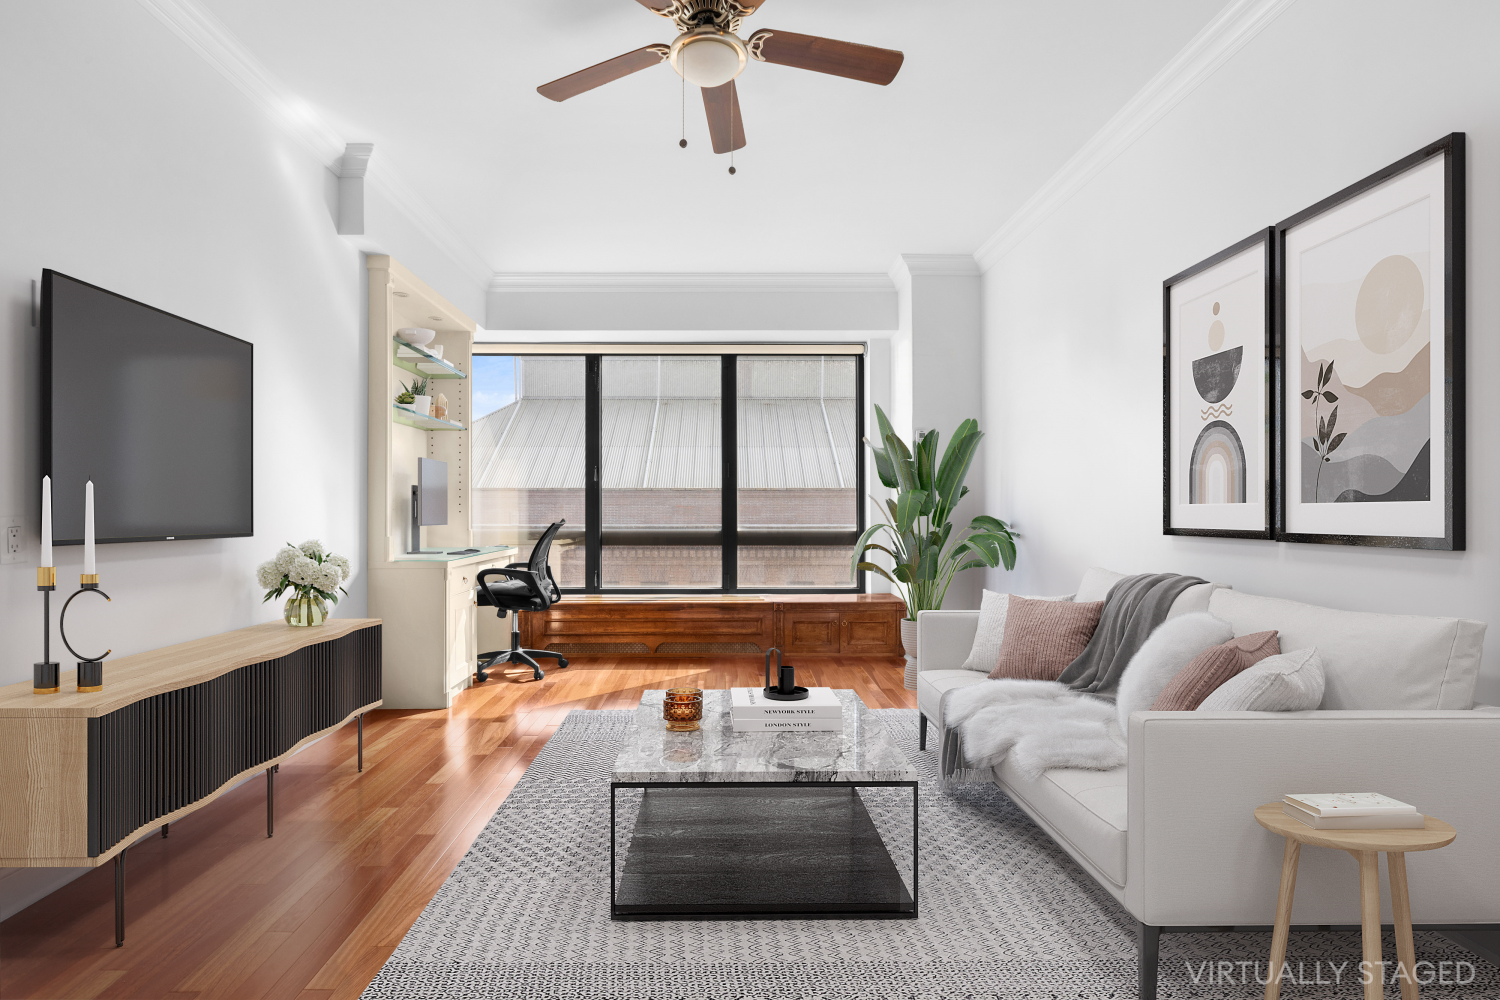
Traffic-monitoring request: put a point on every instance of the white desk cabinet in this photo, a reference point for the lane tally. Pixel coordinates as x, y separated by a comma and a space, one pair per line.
430, 617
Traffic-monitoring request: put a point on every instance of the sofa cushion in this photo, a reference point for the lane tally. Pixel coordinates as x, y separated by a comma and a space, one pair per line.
932, 683
991, 629
1289, 682
1085, 808
1370, 661
1175, 643
1043, 637
1211, 668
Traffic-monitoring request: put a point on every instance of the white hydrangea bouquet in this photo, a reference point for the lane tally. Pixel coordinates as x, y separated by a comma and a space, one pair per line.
312, 573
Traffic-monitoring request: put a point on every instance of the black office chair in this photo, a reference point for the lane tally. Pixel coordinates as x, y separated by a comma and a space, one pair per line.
526, 587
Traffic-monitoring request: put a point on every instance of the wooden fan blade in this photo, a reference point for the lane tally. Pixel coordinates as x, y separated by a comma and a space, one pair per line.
725, 124
605, 72
826, 55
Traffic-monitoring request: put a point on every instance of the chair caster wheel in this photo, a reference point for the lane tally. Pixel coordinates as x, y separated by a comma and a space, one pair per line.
537, 675
561, 662
481, 676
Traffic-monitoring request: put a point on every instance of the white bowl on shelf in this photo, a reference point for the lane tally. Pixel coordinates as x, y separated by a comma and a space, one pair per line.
416, 336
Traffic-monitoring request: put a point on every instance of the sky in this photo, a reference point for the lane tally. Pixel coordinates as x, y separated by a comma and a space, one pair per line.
493, 383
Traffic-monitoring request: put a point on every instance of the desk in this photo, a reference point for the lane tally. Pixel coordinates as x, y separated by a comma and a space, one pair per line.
427, 604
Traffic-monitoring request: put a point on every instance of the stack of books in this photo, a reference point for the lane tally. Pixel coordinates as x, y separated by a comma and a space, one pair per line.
752, 712
1351, 811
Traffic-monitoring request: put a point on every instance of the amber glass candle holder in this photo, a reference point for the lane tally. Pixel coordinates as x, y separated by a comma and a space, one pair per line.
683, 709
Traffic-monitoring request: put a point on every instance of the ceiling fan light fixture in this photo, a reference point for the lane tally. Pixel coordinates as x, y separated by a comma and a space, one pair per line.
708, 57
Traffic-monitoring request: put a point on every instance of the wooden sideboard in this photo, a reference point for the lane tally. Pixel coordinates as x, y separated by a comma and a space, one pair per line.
82, 775
718, 625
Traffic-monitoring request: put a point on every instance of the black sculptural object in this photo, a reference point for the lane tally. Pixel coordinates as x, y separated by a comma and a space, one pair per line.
786, 688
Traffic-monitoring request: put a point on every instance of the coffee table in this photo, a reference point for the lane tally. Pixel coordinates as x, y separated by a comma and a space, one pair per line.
738, 825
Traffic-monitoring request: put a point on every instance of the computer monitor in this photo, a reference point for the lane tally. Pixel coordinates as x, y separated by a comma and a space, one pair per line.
429, 499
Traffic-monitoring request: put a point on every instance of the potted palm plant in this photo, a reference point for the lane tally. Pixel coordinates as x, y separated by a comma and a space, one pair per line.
925, 554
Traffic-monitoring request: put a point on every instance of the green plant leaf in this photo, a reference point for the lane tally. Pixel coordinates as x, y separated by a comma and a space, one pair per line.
870, 567
884, 469
908, 509
903, 573
986, 523
906, 476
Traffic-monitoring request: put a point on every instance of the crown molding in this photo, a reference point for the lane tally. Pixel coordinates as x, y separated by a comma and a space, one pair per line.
212, 40
943, 265
1216, 44
686, 281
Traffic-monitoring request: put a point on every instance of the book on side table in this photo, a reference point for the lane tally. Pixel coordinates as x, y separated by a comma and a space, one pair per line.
1351, 811
820, 712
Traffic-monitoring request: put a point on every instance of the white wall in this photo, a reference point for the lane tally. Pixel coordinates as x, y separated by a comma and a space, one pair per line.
130, 164
698, 302
1331, 91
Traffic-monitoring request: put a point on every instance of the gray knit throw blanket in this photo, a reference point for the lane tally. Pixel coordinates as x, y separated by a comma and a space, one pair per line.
1132, 609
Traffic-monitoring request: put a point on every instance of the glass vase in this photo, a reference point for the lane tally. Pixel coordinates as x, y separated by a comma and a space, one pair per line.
306, 610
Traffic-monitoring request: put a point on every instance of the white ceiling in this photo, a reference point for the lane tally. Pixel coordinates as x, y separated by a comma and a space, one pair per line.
838, 176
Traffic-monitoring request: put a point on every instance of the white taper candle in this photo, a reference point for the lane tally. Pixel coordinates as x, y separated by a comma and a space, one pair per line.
46, 521
88, 529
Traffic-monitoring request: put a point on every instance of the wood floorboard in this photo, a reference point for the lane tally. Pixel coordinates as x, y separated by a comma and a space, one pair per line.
218, 910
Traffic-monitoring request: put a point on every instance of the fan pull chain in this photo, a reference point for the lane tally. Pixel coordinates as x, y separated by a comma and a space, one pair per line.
734, 104
683, 56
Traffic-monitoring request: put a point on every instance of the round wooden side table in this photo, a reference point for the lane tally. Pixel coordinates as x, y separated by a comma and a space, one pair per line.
1366, 846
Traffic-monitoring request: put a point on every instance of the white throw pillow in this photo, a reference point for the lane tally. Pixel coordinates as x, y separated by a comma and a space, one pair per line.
985, 652
1290, 682
1165, 652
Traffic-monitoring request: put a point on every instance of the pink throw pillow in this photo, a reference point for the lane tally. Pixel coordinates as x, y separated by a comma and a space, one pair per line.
1213, 667
1043, 637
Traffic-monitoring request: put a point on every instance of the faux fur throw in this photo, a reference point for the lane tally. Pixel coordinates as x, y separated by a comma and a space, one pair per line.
1037, 724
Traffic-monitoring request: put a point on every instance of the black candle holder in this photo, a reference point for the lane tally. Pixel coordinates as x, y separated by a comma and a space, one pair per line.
44, 675
90, 668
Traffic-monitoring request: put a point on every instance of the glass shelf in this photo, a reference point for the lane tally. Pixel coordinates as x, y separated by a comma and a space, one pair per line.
426, 365
411, 418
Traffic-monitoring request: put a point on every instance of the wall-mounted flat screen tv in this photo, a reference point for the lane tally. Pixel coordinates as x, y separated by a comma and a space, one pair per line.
153, 408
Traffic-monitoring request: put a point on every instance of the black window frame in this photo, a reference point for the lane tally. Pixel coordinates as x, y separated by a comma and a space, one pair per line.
729, 477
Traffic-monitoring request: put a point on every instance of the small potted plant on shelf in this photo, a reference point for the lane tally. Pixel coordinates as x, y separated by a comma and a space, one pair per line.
918, 532
415, 396
313, 574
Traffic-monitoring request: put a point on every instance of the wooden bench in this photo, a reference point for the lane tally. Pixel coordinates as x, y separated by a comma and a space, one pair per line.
718, 625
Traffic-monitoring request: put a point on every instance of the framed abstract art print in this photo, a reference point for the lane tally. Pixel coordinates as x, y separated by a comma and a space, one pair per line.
1370, 370
1216, 358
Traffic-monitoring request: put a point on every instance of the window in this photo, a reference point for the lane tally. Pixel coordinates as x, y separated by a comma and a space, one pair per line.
631, 448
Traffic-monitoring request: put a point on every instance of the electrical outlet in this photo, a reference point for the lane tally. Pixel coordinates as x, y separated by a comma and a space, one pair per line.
12, 550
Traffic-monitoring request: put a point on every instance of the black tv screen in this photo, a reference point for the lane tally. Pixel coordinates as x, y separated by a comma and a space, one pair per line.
153, 408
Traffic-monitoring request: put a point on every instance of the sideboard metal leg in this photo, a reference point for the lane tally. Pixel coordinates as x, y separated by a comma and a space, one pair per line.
164, 828
360, 722
271, 799
120, 899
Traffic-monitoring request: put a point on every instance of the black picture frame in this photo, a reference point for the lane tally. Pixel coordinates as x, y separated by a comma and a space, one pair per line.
1266, 239
1452, 149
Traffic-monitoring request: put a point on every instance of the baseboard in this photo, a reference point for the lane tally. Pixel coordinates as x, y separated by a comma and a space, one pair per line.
1483, 942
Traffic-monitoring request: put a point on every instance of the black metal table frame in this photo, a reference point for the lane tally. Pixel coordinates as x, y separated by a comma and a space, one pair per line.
727, 914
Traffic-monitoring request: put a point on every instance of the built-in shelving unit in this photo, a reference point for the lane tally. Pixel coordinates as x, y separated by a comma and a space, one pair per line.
411, 418
426, 364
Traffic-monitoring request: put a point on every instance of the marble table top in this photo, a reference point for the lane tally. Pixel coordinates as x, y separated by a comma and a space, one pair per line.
864, 751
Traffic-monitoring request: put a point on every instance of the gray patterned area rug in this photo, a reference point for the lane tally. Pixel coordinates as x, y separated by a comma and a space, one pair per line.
1004, 913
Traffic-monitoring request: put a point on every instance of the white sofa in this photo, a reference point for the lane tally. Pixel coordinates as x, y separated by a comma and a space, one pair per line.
1171, 835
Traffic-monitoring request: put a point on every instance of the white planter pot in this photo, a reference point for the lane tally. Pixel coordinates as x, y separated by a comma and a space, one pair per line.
422, 404
909, 641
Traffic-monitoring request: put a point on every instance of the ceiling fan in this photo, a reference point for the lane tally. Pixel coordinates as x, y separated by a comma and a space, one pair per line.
709, 54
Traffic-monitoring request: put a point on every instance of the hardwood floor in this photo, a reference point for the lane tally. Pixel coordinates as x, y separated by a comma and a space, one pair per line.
219, 910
